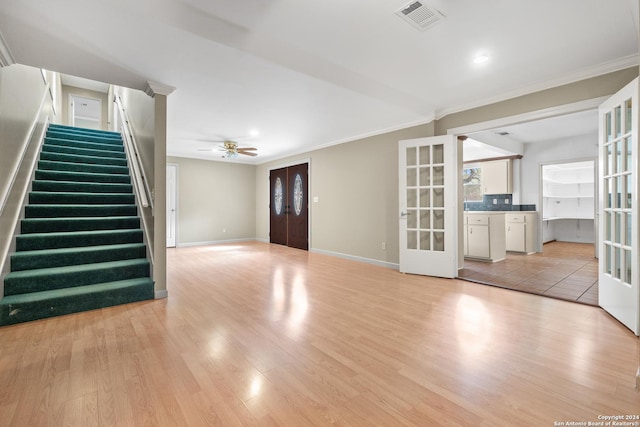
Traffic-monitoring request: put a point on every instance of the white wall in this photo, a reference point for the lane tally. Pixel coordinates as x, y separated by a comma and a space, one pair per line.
23, 92
568, 150
216, 201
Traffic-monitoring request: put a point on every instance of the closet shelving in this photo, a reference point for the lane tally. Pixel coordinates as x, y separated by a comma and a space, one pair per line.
568, 200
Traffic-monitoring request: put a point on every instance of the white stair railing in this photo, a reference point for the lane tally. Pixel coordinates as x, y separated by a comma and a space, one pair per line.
138, 176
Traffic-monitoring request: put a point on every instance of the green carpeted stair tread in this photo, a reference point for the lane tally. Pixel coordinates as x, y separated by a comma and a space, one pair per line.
53, 175
74, 158
82, 167
48, 225
39, 305
100, 139
68, 198
83, 144
77, 129
38, 241
81, 187
37, 280
27, 260
66, 211
63, 149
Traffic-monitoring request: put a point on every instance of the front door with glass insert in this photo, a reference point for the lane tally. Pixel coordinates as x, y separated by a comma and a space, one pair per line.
618, 270
289, 214
428, 192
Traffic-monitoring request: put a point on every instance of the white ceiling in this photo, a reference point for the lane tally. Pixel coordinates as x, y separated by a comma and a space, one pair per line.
505, 140
310, 74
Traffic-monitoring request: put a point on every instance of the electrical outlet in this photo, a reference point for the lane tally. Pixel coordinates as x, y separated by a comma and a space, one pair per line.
384, 246
506, 201
224, 230
495, 201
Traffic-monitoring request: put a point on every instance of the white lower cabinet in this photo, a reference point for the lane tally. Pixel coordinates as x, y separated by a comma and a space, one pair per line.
520, 231
484, 236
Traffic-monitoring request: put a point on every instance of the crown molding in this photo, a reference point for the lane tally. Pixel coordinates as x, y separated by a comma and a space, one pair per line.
6, 57
152, 89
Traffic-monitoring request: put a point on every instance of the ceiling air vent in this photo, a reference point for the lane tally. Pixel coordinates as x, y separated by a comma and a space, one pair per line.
420, 15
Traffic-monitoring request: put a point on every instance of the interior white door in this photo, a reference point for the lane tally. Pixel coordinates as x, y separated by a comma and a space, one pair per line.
618, 207
428, 187
172, 196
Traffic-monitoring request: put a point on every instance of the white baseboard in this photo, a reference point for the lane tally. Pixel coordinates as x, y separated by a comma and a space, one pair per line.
357, 258
214, 242
160, 294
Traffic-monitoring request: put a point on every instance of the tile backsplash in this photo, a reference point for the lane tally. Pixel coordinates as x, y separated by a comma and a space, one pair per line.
497, 202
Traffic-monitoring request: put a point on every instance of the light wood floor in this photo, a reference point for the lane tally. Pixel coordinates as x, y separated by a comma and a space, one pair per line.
261, 335
563, 270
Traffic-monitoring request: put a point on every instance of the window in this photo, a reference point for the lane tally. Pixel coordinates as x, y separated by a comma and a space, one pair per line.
471, 184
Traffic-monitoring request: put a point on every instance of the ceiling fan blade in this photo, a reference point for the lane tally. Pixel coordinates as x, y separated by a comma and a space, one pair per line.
247, 153
247, 148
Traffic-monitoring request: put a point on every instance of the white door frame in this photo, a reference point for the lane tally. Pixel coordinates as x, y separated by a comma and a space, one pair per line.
172, 193
71, 114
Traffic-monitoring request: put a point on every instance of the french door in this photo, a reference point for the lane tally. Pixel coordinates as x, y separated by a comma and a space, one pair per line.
428, 195
618, 200
289, 207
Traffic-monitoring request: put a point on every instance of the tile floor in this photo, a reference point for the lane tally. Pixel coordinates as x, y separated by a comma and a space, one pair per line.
563, 270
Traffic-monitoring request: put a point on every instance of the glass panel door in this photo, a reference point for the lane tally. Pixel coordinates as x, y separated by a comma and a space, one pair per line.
428, 213
618, 275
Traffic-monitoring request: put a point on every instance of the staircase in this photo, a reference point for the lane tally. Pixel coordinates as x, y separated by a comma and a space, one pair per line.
80, 245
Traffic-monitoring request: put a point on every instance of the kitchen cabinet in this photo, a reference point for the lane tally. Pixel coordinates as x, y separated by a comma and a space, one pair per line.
521, 231
484, 236
496, 177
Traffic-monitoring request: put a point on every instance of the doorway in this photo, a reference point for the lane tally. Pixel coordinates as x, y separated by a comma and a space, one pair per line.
563, 263
85, 112
289, 206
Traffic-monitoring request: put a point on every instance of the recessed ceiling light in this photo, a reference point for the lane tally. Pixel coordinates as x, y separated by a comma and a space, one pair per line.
480, 59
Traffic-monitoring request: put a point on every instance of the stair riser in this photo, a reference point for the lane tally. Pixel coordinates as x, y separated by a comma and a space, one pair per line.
66, 211
51, 175
81, 187
21, 261
46, 282
12, 313
71, 240
82, 144
61, 149
82, 167
87, 138
56, 157
51, 225
46, 198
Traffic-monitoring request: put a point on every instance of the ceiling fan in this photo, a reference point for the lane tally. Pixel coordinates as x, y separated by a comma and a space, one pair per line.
231, 149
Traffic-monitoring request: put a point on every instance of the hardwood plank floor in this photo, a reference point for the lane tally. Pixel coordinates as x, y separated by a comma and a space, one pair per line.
263, 335
563, 270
